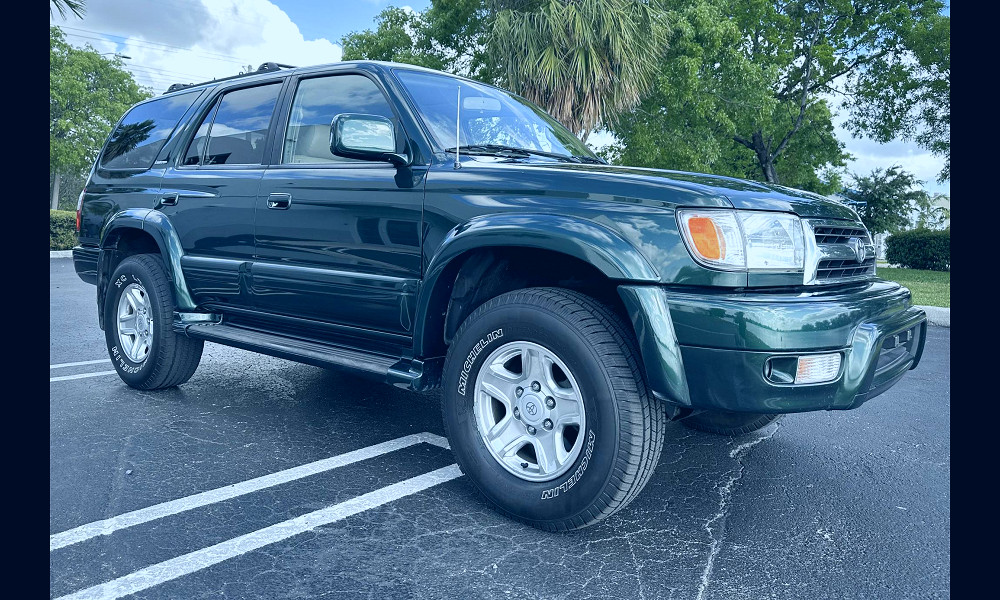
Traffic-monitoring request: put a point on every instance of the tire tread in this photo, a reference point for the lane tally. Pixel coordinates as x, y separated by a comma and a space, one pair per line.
641, 417
178, 356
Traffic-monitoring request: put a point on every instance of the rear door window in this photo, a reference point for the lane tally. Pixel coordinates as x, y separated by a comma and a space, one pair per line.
140, 136
234, 131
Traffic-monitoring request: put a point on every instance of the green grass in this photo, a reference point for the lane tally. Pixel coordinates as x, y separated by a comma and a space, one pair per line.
929, 288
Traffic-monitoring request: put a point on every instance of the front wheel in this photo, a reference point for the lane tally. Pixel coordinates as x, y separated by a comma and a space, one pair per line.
546, 408
724, 422
138, 316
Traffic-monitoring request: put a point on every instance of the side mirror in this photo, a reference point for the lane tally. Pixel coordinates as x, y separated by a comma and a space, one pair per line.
365, 137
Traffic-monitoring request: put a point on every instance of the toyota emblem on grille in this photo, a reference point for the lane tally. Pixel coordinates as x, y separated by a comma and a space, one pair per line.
860, 251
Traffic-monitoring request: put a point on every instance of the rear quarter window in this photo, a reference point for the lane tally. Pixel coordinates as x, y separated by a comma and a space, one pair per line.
143, 131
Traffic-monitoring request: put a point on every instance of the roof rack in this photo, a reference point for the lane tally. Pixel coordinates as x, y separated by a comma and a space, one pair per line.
264, 68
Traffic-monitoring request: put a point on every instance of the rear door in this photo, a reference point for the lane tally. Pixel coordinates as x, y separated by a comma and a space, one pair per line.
211, 189
128, 171
337, 239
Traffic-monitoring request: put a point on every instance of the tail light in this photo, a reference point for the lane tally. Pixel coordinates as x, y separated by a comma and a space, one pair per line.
79, 208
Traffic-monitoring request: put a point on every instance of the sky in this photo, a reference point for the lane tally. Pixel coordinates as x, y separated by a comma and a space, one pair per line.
171, 41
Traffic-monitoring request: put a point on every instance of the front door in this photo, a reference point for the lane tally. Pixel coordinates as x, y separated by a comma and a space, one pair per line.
337, 239
209, 197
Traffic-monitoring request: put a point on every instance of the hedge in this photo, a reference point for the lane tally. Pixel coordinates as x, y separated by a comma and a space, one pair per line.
920, 249
62, 229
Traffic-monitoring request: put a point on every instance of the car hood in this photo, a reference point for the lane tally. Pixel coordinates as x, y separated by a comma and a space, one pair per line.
741, 193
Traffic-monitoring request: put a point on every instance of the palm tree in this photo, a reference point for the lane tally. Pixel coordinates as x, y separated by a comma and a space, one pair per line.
77, 7
584, 61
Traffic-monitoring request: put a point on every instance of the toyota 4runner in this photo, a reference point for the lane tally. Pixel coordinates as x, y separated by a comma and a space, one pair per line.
431, 231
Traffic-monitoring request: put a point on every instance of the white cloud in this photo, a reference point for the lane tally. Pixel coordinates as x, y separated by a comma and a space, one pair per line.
188, 41
870, 155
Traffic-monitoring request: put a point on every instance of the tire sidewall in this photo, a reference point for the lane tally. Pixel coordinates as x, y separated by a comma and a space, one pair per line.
582, 485
128, 272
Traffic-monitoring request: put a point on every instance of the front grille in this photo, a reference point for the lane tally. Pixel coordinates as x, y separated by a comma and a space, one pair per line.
838, 235
839, 251
841, 269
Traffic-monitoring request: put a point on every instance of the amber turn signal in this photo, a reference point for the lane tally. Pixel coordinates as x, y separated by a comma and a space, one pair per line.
705, 236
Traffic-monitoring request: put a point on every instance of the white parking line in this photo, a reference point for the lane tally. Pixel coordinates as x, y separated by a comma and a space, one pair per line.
199, 559
82, 376
158, 511
81, 363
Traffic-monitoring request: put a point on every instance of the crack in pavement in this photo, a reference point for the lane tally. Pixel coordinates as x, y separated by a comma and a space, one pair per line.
725, 494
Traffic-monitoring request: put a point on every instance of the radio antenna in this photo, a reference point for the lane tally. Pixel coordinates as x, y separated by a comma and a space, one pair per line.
458, 130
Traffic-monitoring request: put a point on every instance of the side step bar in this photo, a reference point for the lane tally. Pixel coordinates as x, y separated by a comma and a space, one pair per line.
404, 373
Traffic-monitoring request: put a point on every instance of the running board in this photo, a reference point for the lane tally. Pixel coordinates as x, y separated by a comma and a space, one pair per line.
401, 372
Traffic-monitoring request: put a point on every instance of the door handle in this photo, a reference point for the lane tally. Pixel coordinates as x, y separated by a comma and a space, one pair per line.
279, 201
167, 200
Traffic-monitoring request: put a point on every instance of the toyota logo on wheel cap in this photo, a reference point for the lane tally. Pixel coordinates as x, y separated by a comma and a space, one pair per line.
531, 408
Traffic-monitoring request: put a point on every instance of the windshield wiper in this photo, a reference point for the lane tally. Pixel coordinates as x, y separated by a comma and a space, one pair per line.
508, 151
590, 159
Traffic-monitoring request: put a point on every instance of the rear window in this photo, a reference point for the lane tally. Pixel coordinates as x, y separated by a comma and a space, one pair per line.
140, 136
235, 131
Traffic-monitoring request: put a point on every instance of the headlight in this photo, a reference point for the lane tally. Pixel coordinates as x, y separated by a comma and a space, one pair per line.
738, 240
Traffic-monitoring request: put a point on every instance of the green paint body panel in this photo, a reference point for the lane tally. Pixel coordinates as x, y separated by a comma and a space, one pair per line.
366, 254
709, 350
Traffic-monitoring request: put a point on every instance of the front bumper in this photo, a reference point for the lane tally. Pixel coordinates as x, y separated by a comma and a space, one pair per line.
708, 350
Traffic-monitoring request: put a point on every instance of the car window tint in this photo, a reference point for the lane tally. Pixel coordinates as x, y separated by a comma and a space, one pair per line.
317, 101
140, 136
197, 147
236, 134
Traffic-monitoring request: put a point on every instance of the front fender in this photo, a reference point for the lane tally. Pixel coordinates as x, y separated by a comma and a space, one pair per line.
577, 237
157, 226
580, 238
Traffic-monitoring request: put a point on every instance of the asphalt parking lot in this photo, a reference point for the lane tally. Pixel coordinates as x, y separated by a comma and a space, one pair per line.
263, 478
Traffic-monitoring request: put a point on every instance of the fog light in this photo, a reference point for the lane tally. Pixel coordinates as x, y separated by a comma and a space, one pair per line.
817, 368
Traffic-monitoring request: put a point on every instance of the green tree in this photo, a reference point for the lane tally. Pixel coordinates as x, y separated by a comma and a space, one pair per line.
910, 97
585, 61
932, 212
889, 197
758, 73
448, 36
88, 93
709, 88
77, 7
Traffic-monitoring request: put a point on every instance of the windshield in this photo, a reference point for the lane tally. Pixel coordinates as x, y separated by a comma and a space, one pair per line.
489, 116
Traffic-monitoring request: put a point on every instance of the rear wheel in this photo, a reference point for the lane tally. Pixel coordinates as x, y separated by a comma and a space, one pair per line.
723, 422
138, 318
546, 409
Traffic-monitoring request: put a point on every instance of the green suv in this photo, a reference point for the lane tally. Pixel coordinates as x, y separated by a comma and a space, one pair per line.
428, 231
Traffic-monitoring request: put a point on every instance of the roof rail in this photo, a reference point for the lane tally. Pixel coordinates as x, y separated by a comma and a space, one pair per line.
264, 68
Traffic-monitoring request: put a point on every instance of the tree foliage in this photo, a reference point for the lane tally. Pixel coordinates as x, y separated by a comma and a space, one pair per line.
709, 88
759, 73
889, 196
87, 95
448, 36
740, 87
64, 7
909, 97
930, 214
585, 61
